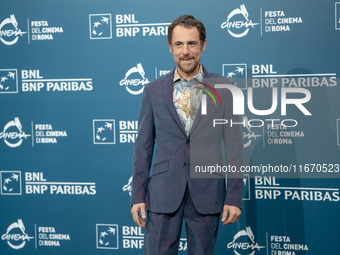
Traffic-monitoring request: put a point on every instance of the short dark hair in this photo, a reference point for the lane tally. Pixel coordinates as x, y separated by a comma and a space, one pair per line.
187, 21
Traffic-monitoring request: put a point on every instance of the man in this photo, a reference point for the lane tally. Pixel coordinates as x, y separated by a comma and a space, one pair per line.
174, 133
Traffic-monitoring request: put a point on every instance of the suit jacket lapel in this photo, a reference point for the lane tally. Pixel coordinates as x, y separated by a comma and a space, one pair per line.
209, 101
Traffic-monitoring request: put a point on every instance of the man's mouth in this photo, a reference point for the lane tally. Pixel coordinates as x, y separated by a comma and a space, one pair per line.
187, 59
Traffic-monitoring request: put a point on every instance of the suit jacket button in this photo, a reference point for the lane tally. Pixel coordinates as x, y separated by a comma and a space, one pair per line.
188, 140
184, 164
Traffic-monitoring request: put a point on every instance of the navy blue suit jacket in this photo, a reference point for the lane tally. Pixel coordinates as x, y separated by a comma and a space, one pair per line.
163, 140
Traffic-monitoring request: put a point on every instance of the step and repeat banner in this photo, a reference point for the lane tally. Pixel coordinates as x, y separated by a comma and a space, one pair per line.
72, 75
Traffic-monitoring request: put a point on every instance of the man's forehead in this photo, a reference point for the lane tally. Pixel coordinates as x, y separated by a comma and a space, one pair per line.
185, 33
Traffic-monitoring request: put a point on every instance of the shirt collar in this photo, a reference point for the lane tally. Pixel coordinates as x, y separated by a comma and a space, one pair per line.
178, 77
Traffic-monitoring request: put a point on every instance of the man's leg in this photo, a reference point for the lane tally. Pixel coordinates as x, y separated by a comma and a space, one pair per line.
163, 232
201, 230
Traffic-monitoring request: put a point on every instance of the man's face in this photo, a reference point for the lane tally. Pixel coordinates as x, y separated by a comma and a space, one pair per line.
187, 49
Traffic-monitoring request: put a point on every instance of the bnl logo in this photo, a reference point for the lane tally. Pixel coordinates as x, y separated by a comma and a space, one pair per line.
100, 26
8, 81
237, 73
107, 236
104, 131
10, 182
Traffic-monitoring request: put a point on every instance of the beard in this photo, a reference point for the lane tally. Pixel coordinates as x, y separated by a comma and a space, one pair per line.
187, 68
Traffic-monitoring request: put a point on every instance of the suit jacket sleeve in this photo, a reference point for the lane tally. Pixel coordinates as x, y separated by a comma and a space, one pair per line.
233, 143
143, 150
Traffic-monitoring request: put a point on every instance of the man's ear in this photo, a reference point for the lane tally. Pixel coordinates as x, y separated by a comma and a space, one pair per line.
204, 45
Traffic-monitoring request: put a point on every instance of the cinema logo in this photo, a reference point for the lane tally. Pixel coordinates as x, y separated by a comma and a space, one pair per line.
244, 242
13, 134
9, 31
15, 235
238, 22
135, 80
39, 30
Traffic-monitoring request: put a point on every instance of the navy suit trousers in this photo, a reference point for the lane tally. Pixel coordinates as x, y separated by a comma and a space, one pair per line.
163, 231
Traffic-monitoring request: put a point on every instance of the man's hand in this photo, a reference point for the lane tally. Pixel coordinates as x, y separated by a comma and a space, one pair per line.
135, 214
234, 214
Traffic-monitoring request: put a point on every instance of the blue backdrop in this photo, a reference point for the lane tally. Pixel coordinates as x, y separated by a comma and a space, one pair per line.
71, 80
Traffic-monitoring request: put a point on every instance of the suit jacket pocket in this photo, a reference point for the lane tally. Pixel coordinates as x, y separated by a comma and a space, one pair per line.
160, 167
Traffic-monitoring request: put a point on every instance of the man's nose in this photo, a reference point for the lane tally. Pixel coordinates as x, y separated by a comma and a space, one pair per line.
185, 50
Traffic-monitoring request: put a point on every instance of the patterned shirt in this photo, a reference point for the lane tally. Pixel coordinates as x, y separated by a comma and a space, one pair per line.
187, 97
